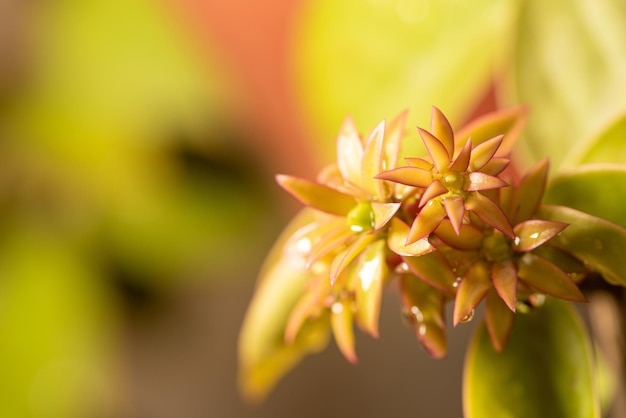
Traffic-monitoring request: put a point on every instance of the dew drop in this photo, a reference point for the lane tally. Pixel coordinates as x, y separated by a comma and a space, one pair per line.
412, 315
402, 268
537, 300
422, 329
468, 317
534, 235
517, 241
336, 308
457, 282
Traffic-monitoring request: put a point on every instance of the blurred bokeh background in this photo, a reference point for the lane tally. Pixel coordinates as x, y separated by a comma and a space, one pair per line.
138, 144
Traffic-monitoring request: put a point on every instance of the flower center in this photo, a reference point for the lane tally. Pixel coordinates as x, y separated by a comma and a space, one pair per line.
453, 181
361, 217
496, 247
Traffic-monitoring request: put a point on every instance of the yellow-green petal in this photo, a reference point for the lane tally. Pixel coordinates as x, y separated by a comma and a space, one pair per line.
507, 122
484, 152
433, 269
372, 163
472, 289
427, 220
499, 320
441, 129
371, 271
411, 176
531, 234
317, 195
341, 323
489, 213
504, 278
437, 151
349, 152
396, 240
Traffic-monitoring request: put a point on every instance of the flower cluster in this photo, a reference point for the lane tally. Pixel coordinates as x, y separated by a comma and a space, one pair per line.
452, 225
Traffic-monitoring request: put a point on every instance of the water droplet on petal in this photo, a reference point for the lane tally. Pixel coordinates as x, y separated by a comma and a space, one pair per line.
336, 307
422, 329
534, 235
537, 300
517, 241
413, 315
468, 317
402, 268
457, 282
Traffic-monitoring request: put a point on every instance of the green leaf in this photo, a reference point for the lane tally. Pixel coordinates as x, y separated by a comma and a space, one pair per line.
607, 147
600, 244
569, 69
376, 58
546, 369
598, 189
263, 355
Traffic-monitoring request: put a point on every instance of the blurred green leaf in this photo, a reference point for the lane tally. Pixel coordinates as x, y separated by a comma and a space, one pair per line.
546, 369
375, 58
56, 338
600, 244
607, 147
569, 69
263, 355
597, 189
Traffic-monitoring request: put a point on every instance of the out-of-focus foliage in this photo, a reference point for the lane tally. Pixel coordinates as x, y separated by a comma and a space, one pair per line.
545, 370
119, 179
377, 57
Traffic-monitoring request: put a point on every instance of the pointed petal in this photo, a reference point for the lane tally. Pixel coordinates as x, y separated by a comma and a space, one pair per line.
341, 261
499, 320
531, 234
437, 151
482, 181
461, 163
435, 189
482, 153
349, 152
332, 240
396, 240
467, 239
529, 193
371, 273
341, 323
495, 166
472, 289
411, 176
383, 212
504, 278
433, 269
427, 220
455, 208
419, 163
489, 212
317, 195
372, 163
547, 278
441, 129
298, 316
392, 142
424, 307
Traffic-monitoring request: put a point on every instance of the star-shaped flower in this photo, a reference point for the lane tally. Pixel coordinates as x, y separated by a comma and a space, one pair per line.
451, 180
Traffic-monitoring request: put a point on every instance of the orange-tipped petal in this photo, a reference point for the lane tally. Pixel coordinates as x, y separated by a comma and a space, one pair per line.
434, 189
437, 151
372, 163
529, 193
371, 273
383, 212
495, 166
349, 152
483, 153
419, 163
461, 163
317, 195
482, 181
341, 261
427, 220
341, 323
499, 319
467, 239
424, 308
392, 142
489, 213
411, 176
531, 234
455, 208
441, 129
472, 289
396, 240
504, 278
433, 269
547, 278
